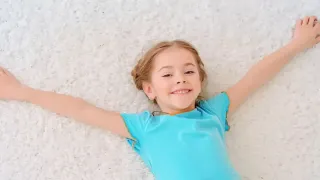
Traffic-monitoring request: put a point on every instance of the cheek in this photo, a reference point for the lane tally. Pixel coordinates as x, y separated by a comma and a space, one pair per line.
195, 79
196, 82
161, 85
164, 86
198, 85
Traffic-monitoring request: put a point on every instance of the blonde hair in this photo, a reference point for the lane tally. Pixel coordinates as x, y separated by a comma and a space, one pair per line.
141, 72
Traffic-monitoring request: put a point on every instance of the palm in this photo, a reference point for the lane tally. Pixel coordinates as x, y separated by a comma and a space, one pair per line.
8, 85
307, 32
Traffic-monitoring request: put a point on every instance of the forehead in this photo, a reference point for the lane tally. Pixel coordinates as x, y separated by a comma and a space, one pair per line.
173, 56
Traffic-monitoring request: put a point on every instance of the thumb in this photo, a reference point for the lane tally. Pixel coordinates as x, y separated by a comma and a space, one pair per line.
318, 39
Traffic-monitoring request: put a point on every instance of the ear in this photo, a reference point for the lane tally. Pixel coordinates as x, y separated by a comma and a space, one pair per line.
148, 90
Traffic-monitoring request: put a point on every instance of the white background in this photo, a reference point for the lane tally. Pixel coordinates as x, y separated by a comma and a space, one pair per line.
88, 48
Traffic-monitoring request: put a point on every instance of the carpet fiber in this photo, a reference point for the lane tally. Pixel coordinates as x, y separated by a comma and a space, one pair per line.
87, 49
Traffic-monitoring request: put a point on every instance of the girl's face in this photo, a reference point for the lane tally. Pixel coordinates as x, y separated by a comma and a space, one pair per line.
175, 80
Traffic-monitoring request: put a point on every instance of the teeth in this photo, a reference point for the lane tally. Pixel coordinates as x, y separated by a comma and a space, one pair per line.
181, 92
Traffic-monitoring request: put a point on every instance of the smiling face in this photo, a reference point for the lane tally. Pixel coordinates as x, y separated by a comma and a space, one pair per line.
175, 81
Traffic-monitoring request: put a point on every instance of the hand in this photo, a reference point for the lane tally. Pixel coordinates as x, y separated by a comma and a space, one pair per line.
307, 32
10, 87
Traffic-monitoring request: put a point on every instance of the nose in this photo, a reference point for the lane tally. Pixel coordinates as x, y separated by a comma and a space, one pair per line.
180, 78
181, 81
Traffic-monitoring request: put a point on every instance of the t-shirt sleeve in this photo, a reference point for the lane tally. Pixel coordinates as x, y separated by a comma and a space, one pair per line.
219, 105
136, 124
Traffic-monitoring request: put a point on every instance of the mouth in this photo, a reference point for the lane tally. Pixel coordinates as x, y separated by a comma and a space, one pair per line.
181, 91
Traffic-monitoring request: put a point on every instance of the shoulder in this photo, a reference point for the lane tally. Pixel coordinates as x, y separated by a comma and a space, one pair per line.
218, 102
217, 105
144, 116
136, 123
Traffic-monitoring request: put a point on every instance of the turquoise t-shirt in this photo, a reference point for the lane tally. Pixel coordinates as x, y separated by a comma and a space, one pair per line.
186, 146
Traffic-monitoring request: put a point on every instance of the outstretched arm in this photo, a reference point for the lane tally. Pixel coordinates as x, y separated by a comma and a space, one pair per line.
306, 35
76, 108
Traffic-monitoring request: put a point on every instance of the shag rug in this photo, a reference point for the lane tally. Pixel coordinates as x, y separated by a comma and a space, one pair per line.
88, 48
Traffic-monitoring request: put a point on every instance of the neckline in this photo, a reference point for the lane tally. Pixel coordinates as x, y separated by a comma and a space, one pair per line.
181, 114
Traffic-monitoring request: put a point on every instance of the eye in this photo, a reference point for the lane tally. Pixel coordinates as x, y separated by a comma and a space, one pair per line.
189, 72
167, 75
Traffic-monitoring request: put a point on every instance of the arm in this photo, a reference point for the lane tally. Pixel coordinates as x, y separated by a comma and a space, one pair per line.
64, 105
306, 35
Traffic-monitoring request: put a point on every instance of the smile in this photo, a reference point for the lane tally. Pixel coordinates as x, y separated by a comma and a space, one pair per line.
181, 91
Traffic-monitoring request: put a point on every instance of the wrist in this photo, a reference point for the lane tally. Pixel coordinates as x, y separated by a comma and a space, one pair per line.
296, 46
25, 93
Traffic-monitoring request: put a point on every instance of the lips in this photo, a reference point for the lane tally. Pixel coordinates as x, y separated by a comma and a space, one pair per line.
181, 91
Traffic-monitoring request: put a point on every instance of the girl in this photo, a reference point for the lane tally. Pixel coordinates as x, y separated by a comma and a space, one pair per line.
186, 139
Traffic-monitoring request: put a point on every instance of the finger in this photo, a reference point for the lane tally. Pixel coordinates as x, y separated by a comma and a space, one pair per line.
305, 20
317, 27
315, 22
7, 72
299, 23
2, 73
312, 19
1, 70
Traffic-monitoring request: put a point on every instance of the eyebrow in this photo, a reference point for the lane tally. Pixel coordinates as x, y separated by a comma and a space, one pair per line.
186, 64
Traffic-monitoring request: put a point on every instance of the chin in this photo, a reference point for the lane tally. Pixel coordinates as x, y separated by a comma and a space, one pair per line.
183, 104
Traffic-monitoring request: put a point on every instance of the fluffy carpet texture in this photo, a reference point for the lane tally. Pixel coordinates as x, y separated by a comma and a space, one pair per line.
88, 48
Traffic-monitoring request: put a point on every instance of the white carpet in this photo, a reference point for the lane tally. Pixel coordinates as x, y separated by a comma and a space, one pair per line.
87, 49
